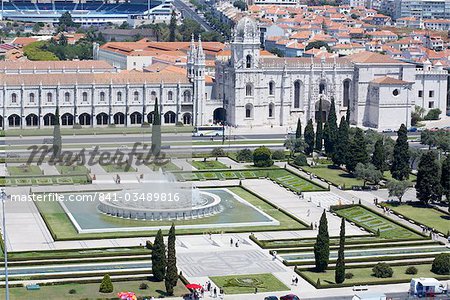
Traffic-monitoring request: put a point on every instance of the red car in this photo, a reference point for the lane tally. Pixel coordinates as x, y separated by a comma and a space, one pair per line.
290, 297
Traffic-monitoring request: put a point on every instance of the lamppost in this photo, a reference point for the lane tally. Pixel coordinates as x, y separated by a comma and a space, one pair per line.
5, 248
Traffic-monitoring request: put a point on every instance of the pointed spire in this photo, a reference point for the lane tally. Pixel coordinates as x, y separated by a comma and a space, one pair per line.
200, 52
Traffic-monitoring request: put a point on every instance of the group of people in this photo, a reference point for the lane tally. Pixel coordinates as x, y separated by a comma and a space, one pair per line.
208, 288
294, 280
234, 243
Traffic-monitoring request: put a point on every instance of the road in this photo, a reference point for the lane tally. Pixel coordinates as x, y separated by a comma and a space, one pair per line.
188, 12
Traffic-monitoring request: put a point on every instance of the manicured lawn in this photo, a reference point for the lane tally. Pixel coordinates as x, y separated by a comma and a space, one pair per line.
374, 222
44, 180
335, 175
426, 215
90, 291
119, 168
71, 170
364, 275
24, 170
170, 166
388, 176
245, 284
208, 165
293, 181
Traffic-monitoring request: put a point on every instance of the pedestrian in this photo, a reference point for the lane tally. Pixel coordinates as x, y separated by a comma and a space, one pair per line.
215, 292
256, 290
296, 281
231, 242
208, 286
293, 280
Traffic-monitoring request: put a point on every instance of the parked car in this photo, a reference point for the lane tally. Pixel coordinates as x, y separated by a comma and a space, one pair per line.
271, 298
388, 130
412, 129
290, 297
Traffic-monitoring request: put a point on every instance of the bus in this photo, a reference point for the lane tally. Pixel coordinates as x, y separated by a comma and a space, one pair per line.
208, 131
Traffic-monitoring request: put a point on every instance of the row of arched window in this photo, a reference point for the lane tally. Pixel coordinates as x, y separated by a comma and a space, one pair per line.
298, 91
84, 96
68, 119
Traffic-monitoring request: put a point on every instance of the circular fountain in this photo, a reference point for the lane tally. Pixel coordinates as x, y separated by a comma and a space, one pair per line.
160, 198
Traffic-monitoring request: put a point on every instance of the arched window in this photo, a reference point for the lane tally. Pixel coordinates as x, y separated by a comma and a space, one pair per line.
13, 98
248, 90
49, 119
187, 96
136, 118
322, 87
187, 119
31, 97
119, 96
119, 118
49, 97
271, 110
102, 119
14, 121
136, 96
67, 119
297, 93
249, 111
169, 95
271, 88
31, 120
84, 119
169, 117
102, 96
248, 61
67, 97
85, 97
346, 95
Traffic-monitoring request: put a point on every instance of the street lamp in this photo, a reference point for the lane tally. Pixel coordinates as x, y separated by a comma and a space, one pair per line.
5, 249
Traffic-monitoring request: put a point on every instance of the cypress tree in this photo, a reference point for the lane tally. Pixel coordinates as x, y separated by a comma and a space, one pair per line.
428, 186
172, 271
445, 178
298, 131
172, 26
57, 140
339, 155
347, 115
106, 286
159, 257
319, 129
357, 151
400, 163
333, 129
379, 156
309, 137
339, 275
327, 139
156, 131
322, 245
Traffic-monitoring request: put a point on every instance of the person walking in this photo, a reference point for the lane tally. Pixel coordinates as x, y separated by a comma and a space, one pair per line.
231, 242
215, 292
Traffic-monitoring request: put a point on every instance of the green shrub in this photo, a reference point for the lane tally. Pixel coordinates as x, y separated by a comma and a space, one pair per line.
348, 275
72, 291
262, 157
217, 152
433, 114
106, 286
143, 286
382, 270
411, 270
300, 160
441, 264
278, 155
179, 124
244, 155
148, 245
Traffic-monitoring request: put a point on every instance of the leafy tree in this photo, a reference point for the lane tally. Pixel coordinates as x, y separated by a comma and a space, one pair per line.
441, 264
433, 114
428, 185
156, 131
188, 28
417, 115
106, 286
317, 45
298, 131
66, 20
173, 27
322, 245
357, 151
411, 270
300, 160
240, 4
172, 271
319, 129
294, 145
278, 155
397, 188
379, 156
382, 270
159, 257
309, 137
216, 152
339, 275
439, 139
368, 173
124, 25
57, 140
400, 164
245, 155
339, 156
262, 157
445, 178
